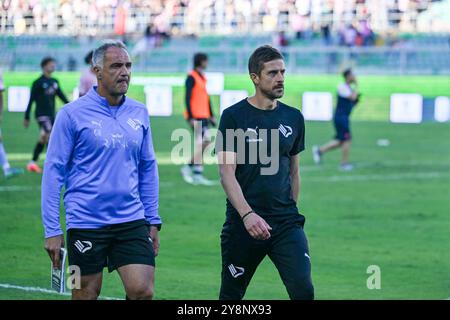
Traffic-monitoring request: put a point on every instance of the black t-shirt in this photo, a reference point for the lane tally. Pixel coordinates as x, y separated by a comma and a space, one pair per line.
43, 92
268, 193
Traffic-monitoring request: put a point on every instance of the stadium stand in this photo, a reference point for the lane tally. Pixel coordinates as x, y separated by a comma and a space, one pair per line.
316, 36
206, 16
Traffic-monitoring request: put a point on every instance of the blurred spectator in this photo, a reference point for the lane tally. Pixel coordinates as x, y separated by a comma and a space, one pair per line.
326, 34
366, 33
120, 20
348, 35
152, 39
281, 40
71, 63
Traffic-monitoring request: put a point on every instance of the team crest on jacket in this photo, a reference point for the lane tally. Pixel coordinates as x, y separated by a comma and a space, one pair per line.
134, 123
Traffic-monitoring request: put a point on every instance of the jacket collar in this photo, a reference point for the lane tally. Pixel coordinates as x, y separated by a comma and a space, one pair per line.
93, 94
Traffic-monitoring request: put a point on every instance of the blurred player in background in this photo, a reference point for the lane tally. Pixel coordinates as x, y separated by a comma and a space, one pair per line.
199, 115
101, 150
43, 92
88, 78
262, 213
347, 98
4, 164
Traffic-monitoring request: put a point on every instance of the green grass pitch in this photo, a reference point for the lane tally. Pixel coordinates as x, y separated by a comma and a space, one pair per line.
393, 211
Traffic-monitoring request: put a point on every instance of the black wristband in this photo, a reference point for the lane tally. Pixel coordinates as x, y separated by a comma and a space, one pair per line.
243, 217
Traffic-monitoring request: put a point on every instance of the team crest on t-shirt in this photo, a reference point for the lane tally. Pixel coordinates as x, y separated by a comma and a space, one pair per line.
285, 130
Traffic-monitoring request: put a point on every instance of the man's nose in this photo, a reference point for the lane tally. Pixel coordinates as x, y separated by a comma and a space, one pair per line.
279, 77
124, 71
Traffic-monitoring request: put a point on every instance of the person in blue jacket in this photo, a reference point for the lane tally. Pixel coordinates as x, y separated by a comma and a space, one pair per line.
101, 152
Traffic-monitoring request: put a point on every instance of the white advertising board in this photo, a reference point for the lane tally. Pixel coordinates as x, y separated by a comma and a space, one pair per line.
406, 108
317, 106
159, 100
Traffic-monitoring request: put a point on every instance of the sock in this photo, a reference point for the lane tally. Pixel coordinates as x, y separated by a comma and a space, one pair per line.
3, 158
37, 150
198, 169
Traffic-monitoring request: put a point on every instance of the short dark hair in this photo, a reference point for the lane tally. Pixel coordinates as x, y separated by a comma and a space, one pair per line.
199, 58
262, 55
46, 61
346, 73
88, 57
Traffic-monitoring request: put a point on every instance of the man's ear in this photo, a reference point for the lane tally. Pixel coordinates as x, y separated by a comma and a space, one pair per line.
98, 72
255, 78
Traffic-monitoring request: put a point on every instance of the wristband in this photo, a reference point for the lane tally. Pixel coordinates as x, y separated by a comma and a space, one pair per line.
243, 217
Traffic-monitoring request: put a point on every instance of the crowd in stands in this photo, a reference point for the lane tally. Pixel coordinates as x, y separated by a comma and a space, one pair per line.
354, 20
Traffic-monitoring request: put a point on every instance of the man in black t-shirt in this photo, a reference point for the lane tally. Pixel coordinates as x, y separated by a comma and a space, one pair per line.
43, 92
258, 146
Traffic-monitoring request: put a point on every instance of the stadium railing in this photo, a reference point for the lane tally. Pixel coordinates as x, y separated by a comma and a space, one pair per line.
367, 60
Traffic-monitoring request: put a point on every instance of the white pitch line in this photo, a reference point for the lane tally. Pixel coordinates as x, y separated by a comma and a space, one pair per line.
43, 290
18, 188
379, 177
341, 178
165, 158
21, 156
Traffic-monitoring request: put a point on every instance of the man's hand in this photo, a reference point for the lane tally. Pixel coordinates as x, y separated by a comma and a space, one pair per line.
53, 247
155, 239
257, 226
26, 123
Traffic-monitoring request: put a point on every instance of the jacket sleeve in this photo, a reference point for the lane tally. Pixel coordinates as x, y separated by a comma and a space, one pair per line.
32, 99
148, 176
61, 95
59, 154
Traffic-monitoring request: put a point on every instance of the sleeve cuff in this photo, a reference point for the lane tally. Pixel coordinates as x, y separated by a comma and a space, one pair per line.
153, 218
49, 234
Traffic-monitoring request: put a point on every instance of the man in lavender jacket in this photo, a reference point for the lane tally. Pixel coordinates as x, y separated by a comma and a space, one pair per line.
101, 151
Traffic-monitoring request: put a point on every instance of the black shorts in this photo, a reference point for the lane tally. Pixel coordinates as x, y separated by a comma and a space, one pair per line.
204, 126
342, 125
113, 246
45, 123
287, 248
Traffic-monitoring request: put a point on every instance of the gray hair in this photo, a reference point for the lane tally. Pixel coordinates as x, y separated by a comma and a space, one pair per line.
99, 53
